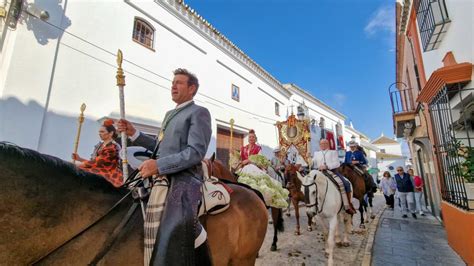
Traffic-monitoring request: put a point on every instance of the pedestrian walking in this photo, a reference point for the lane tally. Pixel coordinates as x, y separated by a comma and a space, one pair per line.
405, 188
388, 187
418, 193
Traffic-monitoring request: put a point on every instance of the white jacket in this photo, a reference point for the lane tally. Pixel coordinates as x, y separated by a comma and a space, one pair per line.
328, 157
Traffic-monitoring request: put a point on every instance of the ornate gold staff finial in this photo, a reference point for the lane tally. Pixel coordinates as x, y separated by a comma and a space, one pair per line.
80, 120
120, 84
120, 76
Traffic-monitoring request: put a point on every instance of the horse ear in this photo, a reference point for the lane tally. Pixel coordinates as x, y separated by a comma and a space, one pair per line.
300, 177
213, 157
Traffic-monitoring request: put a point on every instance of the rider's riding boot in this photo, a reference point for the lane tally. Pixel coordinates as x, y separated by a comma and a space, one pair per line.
351, 209
203, 255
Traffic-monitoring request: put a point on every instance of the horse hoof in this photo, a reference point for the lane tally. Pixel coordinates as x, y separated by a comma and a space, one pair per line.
362, 226
346, 244
270, 222
372, 216
288, 214
297, 233
309, 229
273, 248
338, 244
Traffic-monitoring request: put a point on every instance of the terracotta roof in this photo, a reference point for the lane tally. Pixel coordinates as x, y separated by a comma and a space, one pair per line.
445, 75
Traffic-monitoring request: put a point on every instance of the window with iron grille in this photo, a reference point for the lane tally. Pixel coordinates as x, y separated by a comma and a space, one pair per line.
143, 33
433, 22
452, 114
277, 109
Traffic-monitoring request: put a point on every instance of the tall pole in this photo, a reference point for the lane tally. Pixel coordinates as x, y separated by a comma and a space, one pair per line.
120, 84
78, 135
231, 140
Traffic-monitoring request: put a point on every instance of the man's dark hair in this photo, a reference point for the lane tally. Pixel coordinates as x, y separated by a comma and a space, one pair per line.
192, 79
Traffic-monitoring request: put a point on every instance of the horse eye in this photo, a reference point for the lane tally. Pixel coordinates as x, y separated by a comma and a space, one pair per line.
314, 192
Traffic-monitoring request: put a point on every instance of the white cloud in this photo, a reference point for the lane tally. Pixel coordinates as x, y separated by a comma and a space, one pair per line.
382, 20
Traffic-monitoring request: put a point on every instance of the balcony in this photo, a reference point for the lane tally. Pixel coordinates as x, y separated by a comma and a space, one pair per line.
403, 111
433, 22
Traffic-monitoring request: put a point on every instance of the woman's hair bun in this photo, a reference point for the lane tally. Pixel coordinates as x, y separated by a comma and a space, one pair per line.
251, 131
108, 122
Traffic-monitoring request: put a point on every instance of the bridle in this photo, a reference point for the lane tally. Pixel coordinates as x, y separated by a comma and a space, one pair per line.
316, 203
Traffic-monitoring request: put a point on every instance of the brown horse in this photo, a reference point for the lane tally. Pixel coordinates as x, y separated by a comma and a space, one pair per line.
278, 226
47, 202
359, 187
296, 195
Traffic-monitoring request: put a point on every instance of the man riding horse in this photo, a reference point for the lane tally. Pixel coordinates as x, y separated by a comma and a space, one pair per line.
328, 160
355, 157
182, 144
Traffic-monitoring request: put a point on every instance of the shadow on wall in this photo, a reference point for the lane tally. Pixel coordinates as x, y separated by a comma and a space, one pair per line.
42, 30
21, 124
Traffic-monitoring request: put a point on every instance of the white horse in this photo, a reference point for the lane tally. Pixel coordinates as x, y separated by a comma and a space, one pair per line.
323, 198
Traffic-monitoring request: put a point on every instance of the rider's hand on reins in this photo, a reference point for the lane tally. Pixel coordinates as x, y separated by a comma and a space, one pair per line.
148, 168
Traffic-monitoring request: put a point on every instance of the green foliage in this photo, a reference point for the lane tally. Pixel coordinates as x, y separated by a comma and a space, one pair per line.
467, 161
260, 161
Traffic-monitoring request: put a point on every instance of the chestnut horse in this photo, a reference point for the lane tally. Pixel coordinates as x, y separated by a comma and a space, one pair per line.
220, 170
360, 186
57, 214
296, 195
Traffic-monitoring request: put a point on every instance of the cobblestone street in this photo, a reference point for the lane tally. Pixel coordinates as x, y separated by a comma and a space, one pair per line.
308, 248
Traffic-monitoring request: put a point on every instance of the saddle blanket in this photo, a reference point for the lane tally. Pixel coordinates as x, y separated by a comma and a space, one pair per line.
215, 199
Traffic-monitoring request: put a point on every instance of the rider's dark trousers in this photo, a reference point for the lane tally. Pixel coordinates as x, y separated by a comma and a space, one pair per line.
179, 225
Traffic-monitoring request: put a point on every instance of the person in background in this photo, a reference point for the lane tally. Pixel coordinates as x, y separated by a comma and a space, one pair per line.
328, 160
105, 159
250, 149
405, 188
388, 187
418, 182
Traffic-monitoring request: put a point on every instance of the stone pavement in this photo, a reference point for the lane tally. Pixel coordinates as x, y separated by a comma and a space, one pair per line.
409, 241
308, 248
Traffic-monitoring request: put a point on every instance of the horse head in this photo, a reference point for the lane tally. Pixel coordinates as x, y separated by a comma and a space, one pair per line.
291, 177
217, 169
310, 190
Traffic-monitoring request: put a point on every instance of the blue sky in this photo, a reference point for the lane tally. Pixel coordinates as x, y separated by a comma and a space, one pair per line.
342, 51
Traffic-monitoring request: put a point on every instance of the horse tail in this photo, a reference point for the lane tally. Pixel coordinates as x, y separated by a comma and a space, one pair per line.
280, 226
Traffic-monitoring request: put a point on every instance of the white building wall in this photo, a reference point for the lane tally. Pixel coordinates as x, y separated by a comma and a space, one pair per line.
40, 111
458, 39
395, 149
45, 75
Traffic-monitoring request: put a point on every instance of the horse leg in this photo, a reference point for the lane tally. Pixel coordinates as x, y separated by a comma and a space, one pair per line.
337, 234
330, 242
310, 220
371, 207
346, 218
361, 210
288, 209
297, 214
275, 226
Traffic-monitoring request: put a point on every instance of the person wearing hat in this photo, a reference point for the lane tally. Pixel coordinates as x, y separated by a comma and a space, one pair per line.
277, 162
327, 160
355, 156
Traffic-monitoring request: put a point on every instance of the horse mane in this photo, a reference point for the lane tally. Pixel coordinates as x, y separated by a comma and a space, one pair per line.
26, 160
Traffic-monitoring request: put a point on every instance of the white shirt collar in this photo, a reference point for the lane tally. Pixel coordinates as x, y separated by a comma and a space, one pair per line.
183, 104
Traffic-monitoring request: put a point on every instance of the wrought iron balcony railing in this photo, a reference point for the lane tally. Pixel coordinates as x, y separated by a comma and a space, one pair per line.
402, 101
